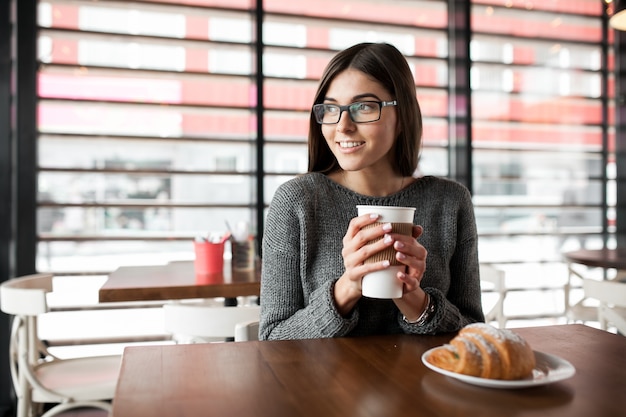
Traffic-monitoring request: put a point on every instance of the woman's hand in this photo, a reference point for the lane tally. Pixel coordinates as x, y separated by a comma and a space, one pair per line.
355, 251
411, 253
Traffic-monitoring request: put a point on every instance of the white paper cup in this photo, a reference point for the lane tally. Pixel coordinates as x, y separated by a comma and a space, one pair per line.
385, 284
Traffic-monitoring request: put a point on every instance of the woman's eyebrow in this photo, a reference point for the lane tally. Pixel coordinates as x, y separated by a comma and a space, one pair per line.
356, 98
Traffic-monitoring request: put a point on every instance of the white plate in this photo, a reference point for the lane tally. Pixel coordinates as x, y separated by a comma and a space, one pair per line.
548, 369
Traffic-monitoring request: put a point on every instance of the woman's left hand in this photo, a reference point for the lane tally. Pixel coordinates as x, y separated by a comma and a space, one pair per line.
412, 254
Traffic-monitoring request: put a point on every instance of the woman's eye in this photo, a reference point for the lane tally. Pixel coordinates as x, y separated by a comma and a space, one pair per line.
364, 107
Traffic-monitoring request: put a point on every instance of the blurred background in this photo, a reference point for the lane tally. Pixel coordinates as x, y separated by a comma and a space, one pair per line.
128, 128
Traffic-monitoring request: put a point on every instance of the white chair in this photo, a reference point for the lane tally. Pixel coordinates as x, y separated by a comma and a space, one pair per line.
578, 310
202, 322
612, 298
495, 279
247, 331
39, 377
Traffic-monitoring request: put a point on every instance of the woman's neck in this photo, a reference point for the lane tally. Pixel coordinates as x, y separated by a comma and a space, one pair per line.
372, 185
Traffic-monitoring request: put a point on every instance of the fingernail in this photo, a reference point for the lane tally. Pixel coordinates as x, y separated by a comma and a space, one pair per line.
387, 239
400, 256
399, 245
385, 263
387, 227
373, 216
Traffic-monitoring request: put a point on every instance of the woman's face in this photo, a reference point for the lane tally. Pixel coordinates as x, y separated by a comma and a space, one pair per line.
360, 146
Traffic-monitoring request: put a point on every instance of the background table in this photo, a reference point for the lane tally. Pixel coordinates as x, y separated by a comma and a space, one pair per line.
368, 376
600, 258
175, 281
591, 258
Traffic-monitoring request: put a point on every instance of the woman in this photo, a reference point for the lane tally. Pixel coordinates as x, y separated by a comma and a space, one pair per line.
364, 144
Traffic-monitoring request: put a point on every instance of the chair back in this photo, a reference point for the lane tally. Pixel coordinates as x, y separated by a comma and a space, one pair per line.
247, 331
25, 296
38, 376
200, 320
495, 278
612, 297
609, 292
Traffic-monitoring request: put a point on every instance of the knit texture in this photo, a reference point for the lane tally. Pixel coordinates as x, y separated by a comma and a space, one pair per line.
302, 244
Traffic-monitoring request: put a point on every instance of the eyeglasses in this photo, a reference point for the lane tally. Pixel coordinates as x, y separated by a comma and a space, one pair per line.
360, 112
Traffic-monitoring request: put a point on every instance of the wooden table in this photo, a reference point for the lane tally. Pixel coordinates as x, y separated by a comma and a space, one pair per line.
592, 258
368, 376
600, 258
175, 281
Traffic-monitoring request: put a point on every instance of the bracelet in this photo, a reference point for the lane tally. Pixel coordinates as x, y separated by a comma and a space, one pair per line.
423, 318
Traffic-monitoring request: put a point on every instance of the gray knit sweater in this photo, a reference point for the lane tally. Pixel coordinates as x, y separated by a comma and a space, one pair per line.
302, 244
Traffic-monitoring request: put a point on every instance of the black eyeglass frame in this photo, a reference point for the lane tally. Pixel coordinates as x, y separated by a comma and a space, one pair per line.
381, 104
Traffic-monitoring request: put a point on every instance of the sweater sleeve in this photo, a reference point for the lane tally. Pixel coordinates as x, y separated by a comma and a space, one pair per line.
462, 304
288, 311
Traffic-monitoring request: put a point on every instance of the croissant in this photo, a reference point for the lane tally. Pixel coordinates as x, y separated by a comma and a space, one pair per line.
484, 351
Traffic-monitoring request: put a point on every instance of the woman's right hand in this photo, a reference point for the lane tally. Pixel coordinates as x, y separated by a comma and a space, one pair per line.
355, 251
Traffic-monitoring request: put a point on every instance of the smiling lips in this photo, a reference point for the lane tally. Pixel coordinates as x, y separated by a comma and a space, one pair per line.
350, 144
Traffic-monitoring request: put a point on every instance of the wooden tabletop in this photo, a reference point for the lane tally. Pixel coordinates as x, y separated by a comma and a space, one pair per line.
367, 376
601, 258
176, 280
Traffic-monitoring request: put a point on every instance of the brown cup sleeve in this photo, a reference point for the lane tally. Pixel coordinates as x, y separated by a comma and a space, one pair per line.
389, 253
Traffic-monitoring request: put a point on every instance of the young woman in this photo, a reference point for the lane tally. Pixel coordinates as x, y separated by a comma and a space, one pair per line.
364, 144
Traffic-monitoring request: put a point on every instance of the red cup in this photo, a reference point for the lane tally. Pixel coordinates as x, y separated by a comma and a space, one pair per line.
209, 258
206, 279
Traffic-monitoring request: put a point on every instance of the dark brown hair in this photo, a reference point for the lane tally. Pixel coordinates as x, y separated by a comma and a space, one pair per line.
389, 67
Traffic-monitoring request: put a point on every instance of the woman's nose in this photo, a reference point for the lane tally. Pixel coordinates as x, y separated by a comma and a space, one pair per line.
345, 123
